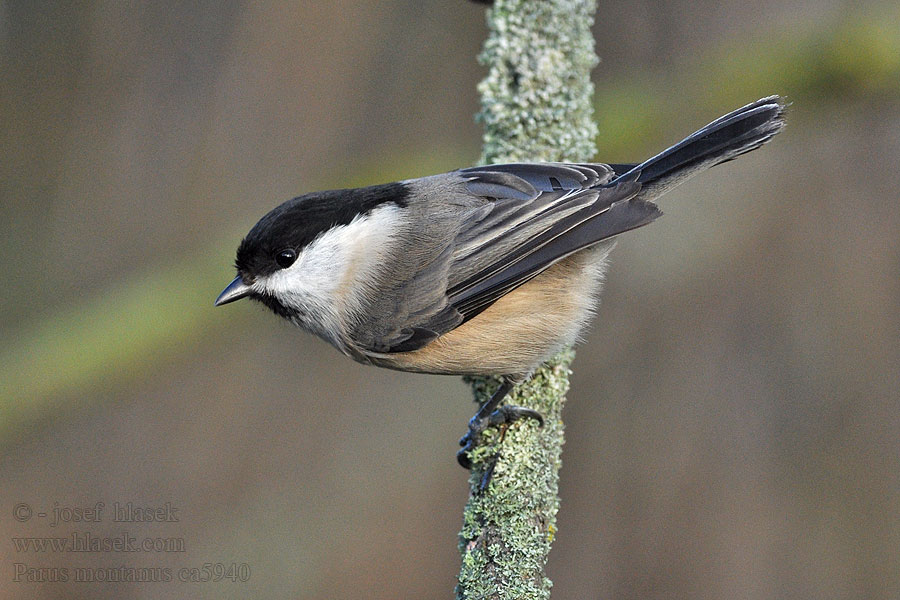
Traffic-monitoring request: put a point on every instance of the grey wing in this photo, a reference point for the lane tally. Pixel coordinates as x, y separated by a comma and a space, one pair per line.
500, 225
568, 220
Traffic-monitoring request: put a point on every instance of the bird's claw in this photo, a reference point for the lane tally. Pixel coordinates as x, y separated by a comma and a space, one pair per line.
502, 417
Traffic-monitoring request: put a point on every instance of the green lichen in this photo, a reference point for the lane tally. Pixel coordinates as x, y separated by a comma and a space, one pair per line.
536, 99
508, 527
536, 106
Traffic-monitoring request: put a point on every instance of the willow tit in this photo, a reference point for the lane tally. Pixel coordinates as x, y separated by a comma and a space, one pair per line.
487, 270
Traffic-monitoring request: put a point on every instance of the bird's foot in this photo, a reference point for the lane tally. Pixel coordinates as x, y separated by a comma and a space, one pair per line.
502, 418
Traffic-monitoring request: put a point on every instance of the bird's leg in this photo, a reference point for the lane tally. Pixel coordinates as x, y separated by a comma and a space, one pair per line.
489, 415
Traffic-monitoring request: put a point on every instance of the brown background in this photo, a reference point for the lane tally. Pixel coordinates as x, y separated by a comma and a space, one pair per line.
732, 427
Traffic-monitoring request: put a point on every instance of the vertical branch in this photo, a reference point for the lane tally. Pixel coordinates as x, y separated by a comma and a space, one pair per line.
536, 106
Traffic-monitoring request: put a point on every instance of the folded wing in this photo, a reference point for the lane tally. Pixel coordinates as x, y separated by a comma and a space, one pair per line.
522, 218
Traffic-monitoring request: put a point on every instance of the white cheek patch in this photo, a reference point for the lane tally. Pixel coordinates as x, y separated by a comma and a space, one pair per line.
328, 282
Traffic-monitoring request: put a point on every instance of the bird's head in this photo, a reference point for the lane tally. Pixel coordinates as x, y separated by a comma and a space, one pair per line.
295, 255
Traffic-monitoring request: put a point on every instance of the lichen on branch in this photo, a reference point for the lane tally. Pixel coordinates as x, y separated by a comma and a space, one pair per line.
536, 105
536, 100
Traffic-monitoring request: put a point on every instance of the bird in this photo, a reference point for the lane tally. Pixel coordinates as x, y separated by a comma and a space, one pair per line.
487, 270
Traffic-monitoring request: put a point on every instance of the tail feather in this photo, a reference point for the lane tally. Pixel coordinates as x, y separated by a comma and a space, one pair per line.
726, 138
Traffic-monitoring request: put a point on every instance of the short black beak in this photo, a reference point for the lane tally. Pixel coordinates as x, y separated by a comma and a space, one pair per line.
236, 290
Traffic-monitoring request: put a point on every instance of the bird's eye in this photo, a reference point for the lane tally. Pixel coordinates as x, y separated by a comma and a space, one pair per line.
286, 258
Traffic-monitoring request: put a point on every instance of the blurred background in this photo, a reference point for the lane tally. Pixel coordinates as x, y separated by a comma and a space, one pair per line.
733, 420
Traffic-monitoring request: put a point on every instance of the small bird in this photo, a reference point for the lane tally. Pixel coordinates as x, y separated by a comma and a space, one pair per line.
486, 270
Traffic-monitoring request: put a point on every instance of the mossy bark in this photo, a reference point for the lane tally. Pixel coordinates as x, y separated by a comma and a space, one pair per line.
536, 106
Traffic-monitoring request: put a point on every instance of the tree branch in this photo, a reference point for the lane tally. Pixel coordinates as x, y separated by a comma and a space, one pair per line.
536, 106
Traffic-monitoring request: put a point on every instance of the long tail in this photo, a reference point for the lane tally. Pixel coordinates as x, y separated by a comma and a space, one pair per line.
724, 139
